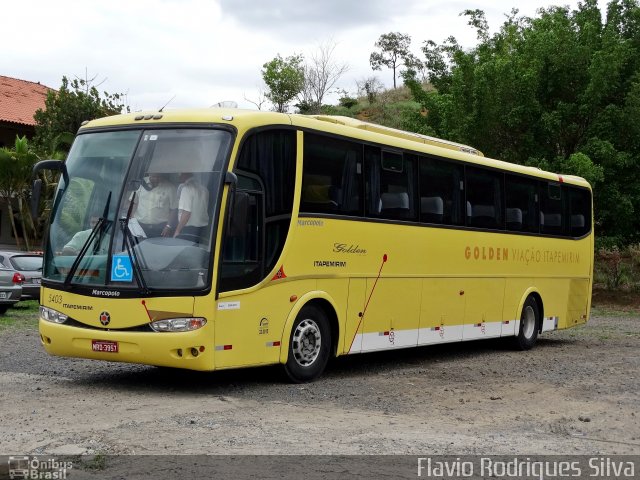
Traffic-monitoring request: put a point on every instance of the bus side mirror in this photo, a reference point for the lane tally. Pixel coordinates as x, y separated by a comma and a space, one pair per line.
58, 165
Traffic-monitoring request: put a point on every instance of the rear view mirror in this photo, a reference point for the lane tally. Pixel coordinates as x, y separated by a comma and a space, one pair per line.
37, 183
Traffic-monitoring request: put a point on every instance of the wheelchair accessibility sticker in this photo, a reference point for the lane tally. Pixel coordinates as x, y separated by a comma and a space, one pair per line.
121, 269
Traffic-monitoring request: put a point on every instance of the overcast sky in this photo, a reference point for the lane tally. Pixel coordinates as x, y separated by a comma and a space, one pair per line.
207, 51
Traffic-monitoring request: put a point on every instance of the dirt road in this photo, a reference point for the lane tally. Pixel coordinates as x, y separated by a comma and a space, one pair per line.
576, 392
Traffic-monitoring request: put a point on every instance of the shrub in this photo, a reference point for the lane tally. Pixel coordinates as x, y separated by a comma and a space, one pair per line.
634, 264
348, 102
610, 268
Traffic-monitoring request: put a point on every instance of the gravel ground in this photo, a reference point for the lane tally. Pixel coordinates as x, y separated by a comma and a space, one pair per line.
575, 393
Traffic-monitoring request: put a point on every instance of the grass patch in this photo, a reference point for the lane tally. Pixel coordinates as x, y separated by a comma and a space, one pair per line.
21, 315
612, 311
616, 303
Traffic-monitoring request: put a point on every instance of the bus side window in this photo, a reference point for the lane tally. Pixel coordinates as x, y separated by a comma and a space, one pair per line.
391, 185
522, 207
266, 170
551, 206
484, 198
580, 211
441, 200
331, 176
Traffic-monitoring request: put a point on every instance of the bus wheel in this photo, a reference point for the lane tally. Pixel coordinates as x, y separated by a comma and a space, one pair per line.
309, 345
529, 325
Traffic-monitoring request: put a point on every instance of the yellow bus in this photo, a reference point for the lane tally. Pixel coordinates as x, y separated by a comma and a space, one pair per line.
215, 239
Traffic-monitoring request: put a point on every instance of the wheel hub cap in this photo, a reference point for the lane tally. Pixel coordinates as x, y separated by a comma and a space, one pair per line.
306, 342
528, 322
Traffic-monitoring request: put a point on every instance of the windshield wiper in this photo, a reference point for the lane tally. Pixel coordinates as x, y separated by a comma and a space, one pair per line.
128, 242
99, 229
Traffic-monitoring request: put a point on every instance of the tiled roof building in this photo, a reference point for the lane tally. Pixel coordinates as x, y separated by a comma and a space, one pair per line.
19, 100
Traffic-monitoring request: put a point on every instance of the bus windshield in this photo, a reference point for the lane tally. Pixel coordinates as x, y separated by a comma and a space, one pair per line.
138, 210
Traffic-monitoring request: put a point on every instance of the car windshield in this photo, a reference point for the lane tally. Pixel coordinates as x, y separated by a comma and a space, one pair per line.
30, 263
139, 209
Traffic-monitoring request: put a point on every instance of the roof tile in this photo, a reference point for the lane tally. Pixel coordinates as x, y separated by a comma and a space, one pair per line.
19, 100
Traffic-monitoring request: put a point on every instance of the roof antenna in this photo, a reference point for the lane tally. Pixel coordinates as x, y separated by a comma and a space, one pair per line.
167, 104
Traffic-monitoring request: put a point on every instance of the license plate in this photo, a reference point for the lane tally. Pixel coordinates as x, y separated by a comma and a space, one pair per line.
104, 346
35, 281
3, 294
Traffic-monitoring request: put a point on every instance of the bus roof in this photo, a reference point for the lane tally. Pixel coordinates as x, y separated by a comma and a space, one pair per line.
338, 125
394, 132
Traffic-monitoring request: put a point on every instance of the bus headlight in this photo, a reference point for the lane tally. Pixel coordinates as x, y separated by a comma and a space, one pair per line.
178, 324
51, 315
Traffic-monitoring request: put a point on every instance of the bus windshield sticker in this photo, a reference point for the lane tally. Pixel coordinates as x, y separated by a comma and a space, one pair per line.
121, 269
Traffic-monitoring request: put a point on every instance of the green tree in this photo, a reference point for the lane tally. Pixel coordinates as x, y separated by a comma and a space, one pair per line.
560, 91
16, 165
394, 52
65, 110
284, 79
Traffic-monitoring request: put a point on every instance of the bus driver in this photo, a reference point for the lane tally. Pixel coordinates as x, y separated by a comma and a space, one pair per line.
193, 204
155, 207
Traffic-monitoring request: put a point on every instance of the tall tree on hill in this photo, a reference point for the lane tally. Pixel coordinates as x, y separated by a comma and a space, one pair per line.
284, 78
394, 52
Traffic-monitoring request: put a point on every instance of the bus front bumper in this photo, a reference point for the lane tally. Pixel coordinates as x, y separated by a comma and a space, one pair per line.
190, 350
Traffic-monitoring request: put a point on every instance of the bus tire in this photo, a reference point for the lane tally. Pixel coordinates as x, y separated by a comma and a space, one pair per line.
529, 325
309, 345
